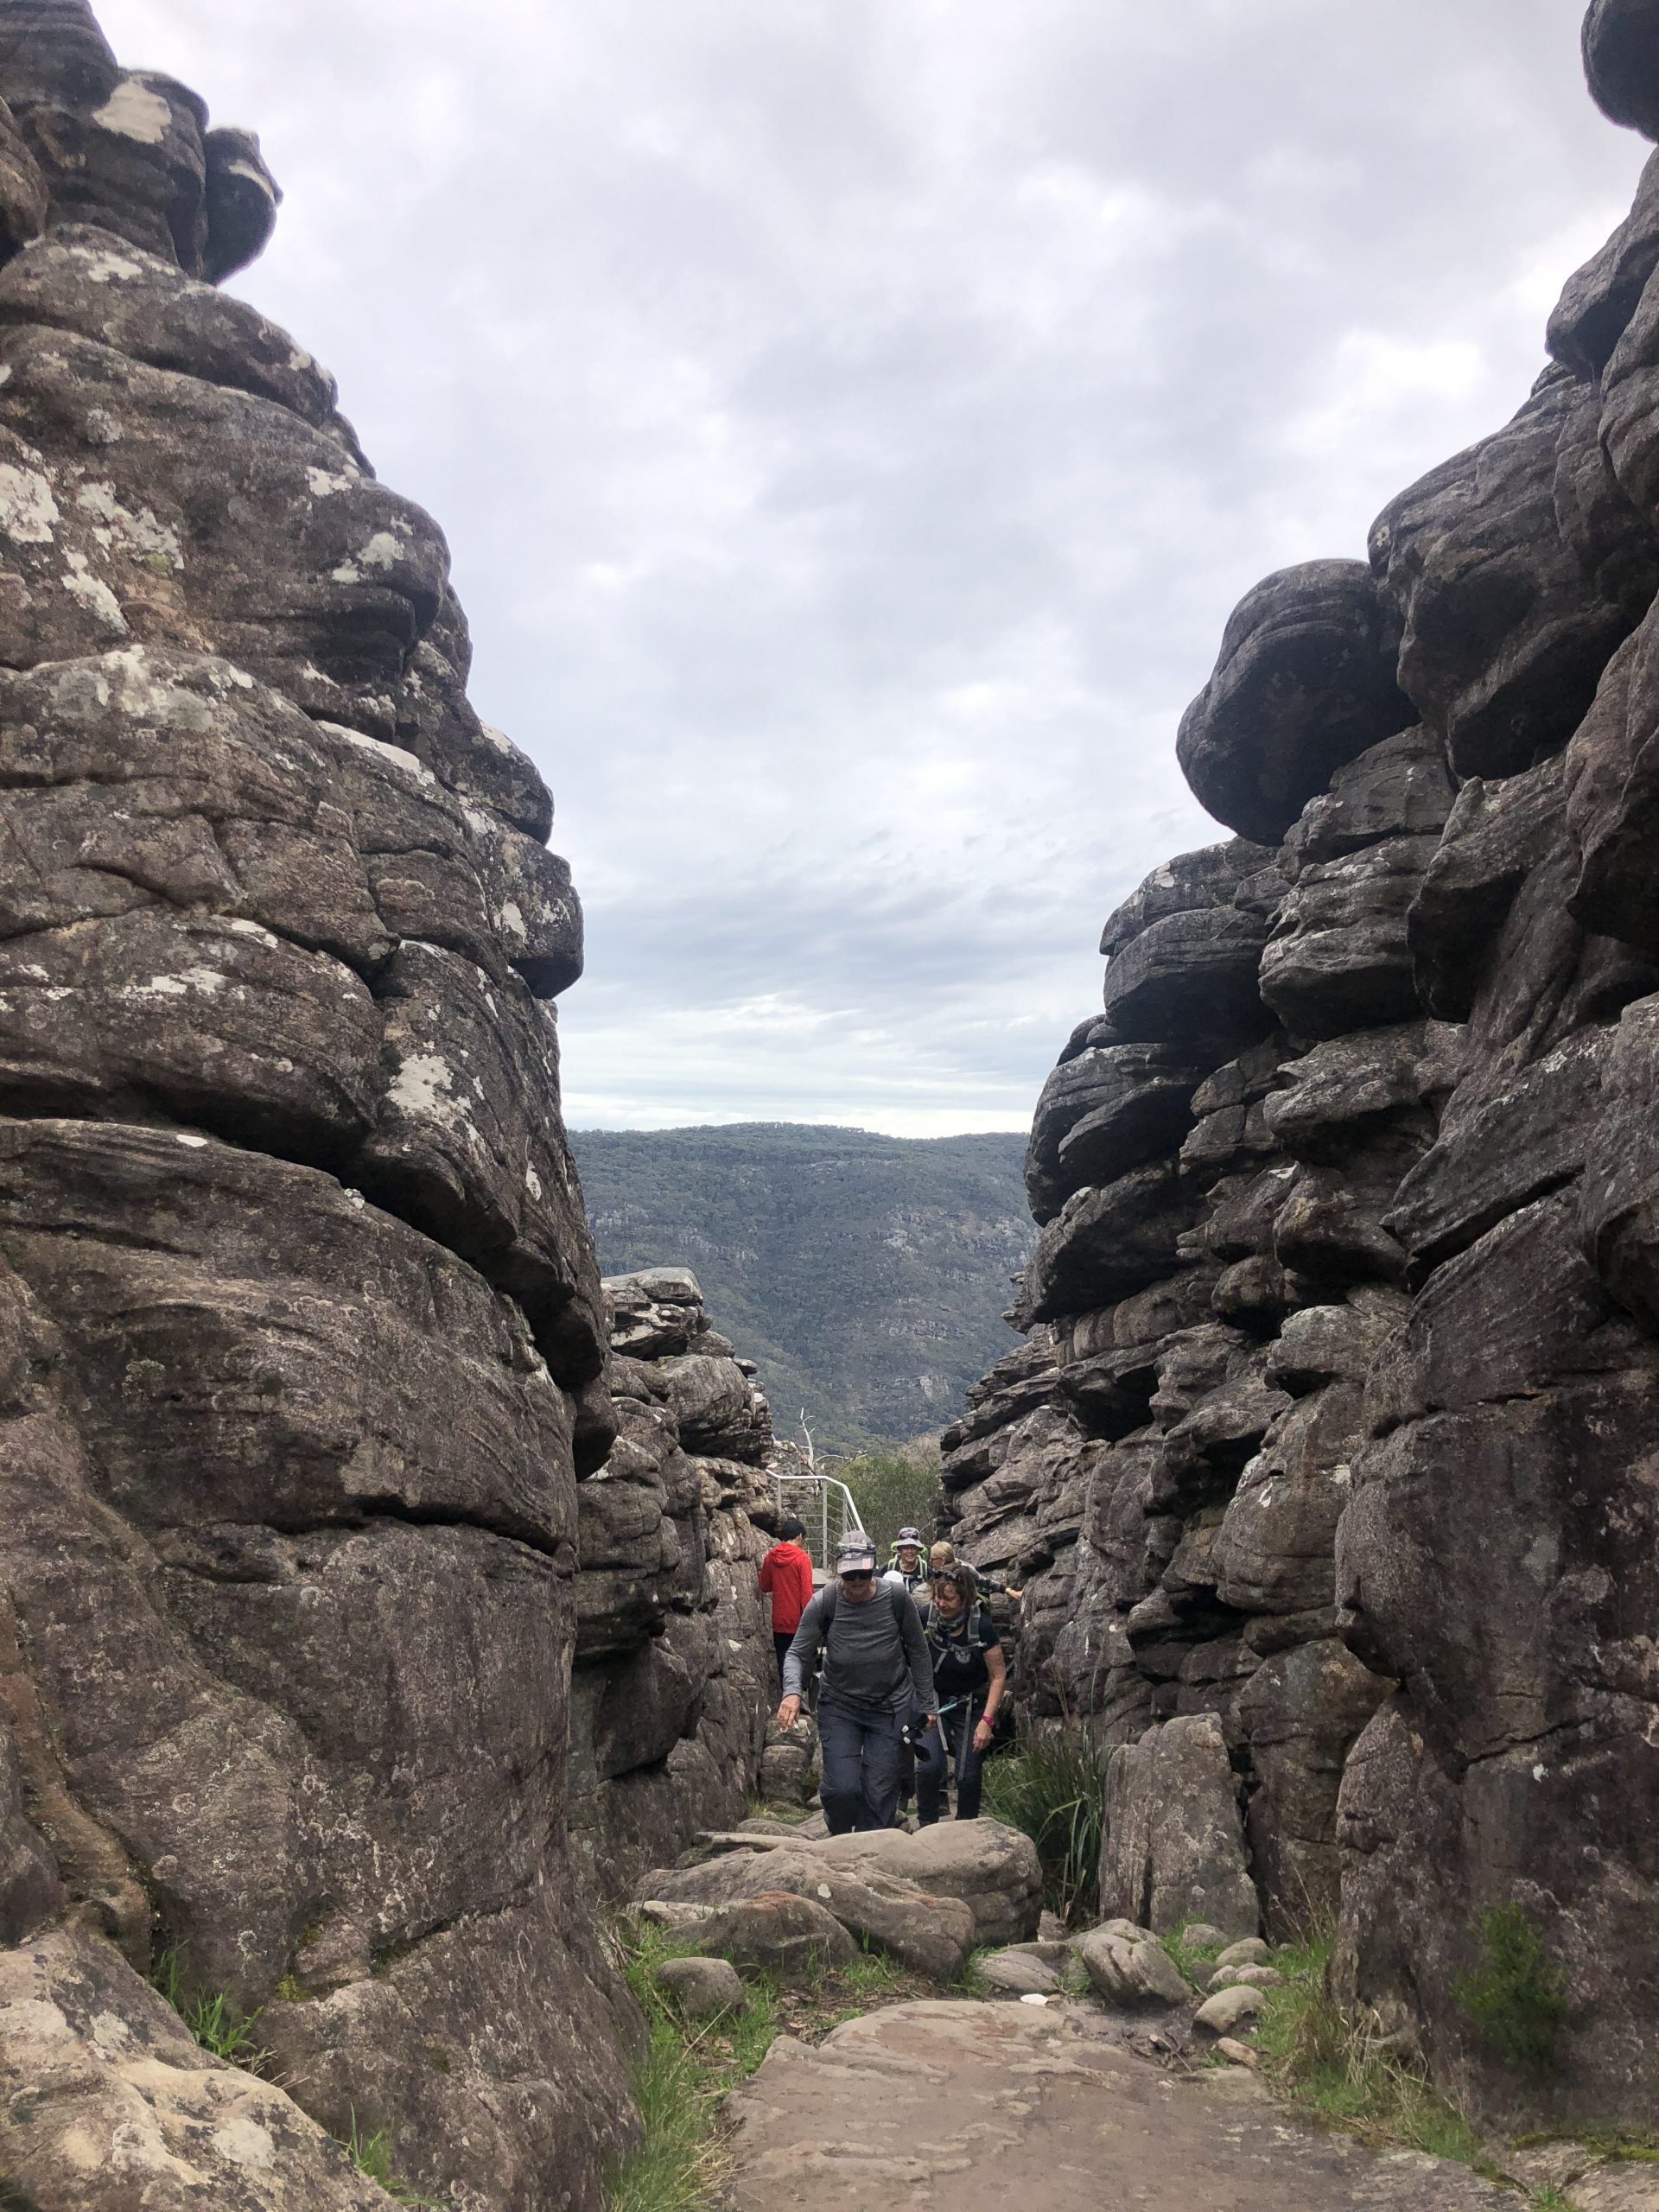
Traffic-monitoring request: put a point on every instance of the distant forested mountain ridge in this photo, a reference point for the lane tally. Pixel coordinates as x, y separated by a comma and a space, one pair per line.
867, 1275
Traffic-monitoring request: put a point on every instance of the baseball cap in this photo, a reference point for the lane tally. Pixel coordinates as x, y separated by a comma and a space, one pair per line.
855, 1555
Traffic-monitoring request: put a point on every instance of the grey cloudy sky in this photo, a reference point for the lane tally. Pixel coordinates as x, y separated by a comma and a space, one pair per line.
853, 420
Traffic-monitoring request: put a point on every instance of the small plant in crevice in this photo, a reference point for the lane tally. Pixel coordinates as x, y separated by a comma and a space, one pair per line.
371, 2156
1515, 1998
212, 2020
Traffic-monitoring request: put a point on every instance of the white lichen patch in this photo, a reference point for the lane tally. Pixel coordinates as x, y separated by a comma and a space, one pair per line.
132, 111
243, 2142
498, 738
532, 1183
244, 927
325, 482
425, 1086
99, 266
385, 549
110, 2030
255, 177
28, 513
94, 594
138, 690
101, 428
139, 534
405, 761
185, 1137
208, 980
512, 921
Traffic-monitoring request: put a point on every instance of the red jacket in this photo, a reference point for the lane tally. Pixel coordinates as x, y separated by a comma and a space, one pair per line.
786, 1574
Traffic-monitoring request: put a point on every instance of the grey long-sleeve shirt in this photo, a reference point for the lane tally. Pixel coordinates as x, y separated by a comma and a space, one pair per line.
876, 1658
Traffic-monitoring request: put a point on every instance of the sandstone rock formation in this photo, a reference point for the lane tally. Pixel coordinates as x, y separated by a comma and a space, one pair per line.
305, 1413
674, 1669
1328, 1466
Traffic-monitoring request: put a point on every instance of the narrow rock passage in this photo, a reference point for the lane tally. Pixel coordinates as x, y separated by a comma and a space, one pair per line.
1002, 2107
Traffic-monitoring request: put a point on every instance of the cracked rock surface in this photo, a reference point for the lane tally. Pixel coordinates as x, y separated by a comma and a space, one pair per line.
312, 1479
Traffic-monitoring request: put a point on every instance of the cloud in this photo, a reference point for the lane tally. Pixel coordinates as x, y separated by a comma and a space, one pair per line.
853, 420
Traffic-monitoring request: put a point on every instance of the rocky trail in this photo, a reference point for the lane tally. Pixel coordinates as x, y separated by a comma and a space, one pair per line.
984, 2106
1094, 2067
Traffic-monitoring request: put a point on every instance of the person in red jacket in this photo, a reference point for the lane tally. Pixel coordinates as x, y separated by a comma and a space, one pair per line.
786, 1576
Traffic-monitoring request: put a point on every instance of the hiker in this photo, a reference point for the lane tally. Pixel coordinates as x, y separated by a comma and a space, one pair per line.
942, 1556
786, 1578
876, 1673
969, 1678
905, 1566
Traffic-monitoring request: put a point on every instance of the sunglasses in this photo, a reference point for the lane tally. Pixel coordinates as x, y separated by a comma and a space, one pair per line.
858, 1574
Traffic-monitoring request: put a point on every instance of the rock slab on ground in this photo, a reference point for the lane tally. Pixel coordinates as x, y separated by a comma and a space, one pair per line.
986, 2104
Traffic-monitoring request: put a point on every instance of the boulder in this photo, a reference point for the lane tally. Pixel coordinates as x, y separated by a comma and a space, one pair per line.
1503, 636
930, 1933
152, 2117
992, 1868
1248, 1951
1172, 1847
1016, 1974
794, 1937
1228, 2009
1105, 1243
1130, 1968
1621, 61
1304, 682
702, 1988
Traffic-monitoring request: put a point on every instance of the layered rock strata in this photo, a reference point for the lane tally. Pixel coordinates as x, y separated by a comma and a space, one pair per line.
1328, 1466
304, 1355
674, 1670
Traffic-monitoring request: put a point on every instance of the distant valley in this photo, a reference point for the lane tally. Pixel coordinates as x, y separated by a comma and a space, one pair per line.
867, 1274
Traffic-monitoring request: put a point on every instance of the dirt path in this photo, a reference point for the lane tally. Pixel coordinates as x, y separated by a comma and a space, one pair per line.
1009, 2107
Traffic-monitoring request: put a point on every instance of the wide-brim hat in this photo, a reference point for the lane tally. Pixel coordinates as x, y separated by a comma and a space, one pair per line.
909, 1536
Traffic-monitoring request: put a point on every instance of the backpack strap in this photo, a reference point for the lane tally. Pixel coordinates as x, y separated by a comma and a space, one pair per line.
830, 1592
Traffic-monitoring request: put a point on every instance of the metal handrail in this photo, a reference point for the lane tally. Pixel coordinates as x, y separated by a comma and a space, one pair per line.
850, 1521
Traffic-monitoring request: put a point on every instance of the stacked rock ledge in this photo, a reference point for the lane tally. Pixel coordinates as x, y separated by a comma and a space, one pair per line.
1325, 1467
306, 1381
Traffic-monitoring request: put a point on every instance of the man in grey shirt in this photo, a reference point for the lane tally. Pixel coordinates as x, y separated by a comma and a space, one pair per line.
877, 1673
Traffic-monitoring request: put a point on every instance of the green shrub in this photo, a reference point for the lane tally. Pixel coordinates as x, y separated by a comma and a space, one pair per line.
1050, 1788
1517, 2000
892, 1490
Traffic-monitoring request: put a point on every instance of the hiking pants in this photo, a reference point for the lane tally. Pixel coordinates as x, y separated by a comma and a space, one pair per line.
861, 1763
781, 1640
937, 1755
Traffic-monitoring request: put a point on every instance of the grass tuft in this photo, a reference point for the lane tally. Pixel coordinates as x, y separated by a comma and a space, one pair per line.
683, 2079
1336, 2063
371, 2156
212, 2020
1191, 1958
1050, 1789
689, 2068
1514, 1997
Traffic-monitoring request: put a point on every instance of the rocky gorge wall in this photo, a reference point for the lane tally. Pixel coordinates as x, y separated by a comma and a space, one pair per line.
674, 1675
1331, 1465
312, 1482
